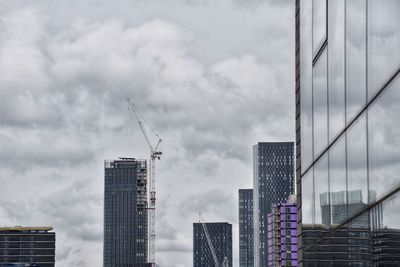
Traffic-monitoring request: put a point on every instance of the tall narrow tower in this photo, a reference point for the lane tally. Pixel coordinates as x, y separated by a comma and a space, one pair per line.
125, 213
246, 251
273, 183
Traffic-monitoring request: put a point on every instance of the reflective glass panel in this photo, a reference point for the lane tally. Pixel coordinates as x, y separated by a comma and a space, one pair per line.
320, 101
390, 216
306, 84
307, 197
319, 23
321, 185
356, 42
336, 67
357, 180
384, 140
383, 42
337, 180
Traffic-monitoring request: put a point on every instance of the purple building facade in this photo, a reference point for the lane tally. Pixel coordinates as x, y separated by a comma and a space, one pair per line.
282, 235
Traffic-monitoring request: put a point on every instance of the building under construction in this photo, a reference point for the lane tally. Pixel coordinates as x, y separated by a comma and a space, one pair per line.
220, 235
125, 213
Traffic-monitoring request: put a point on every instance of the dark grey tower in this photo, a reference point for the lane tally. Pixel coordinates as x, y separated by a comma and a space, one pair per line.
273, 183
246, 228
221, 238
125, 213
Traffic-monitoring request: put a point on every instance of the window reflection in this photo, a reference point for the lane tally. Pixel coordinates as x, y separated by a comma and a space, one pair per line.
363, 165
391, 212
357, 180
384, 140
320, 101
306, 84
383, 42
337, 179
307, 201
322, 199
356, 91
336, 67
319, 23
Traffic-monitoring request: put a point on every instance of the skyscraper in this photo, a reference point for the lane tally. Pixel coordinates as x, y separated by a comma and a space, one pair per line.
347, 122
246, 228
27, 246
273, 183
125, 213
221, 238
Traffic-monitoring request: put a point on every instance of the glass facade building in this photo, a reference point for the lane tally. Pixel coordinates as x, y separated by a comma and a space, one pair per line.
125, 213
282, 235
273, 183
221, 237
342, 247
246, 228
27, 246
347, 129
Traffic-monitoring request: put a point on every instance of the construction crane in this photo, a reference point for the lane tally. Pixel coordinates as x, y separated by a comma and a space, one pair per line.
225, 262
155, 153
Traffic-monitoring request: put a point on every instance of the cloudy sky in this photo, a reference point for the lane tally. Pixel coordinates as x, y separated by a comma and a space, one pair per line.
214, 77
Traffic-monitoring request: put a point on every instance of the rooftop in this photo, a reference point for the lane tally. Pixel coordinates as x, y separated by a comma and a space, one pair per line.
26, 228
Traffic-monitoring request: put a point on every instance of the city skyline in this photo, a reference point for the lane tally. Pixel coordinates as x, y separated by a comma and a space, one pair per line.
279, 96
211, 85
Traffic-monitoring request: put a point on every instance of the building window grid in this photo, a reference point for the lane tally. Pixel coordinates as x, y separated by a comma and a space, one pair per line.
348, 124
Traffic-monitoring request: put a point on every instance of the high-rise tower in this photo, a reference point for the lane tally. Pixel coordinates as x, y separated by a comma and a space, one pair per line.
125, 213
246, 228
273, 183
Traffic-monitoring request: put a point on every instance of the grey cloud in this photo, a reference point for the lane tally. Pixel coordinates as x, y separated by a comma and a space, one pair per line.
173, 247
43, 148
214, 202
257, 3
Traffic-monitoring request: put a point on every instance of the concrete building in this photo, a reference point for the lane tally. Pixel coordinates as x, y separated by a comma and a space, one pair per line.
125, 213
282, 234
27, 246
246, 228
221, 238
347, 130
273, 183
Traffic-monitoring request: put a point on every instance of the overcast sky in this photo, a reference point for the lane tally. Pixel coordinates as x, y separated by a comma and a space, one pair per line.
214, 77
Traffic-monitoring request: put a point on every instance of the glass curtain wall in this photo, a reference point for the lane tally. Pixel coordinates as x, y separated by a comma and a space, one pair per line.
348, 90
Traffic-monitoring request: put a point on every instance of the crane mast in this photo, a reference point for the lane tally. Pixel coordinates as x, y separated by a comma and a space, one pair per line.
225, 262
155, 153
210, 245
